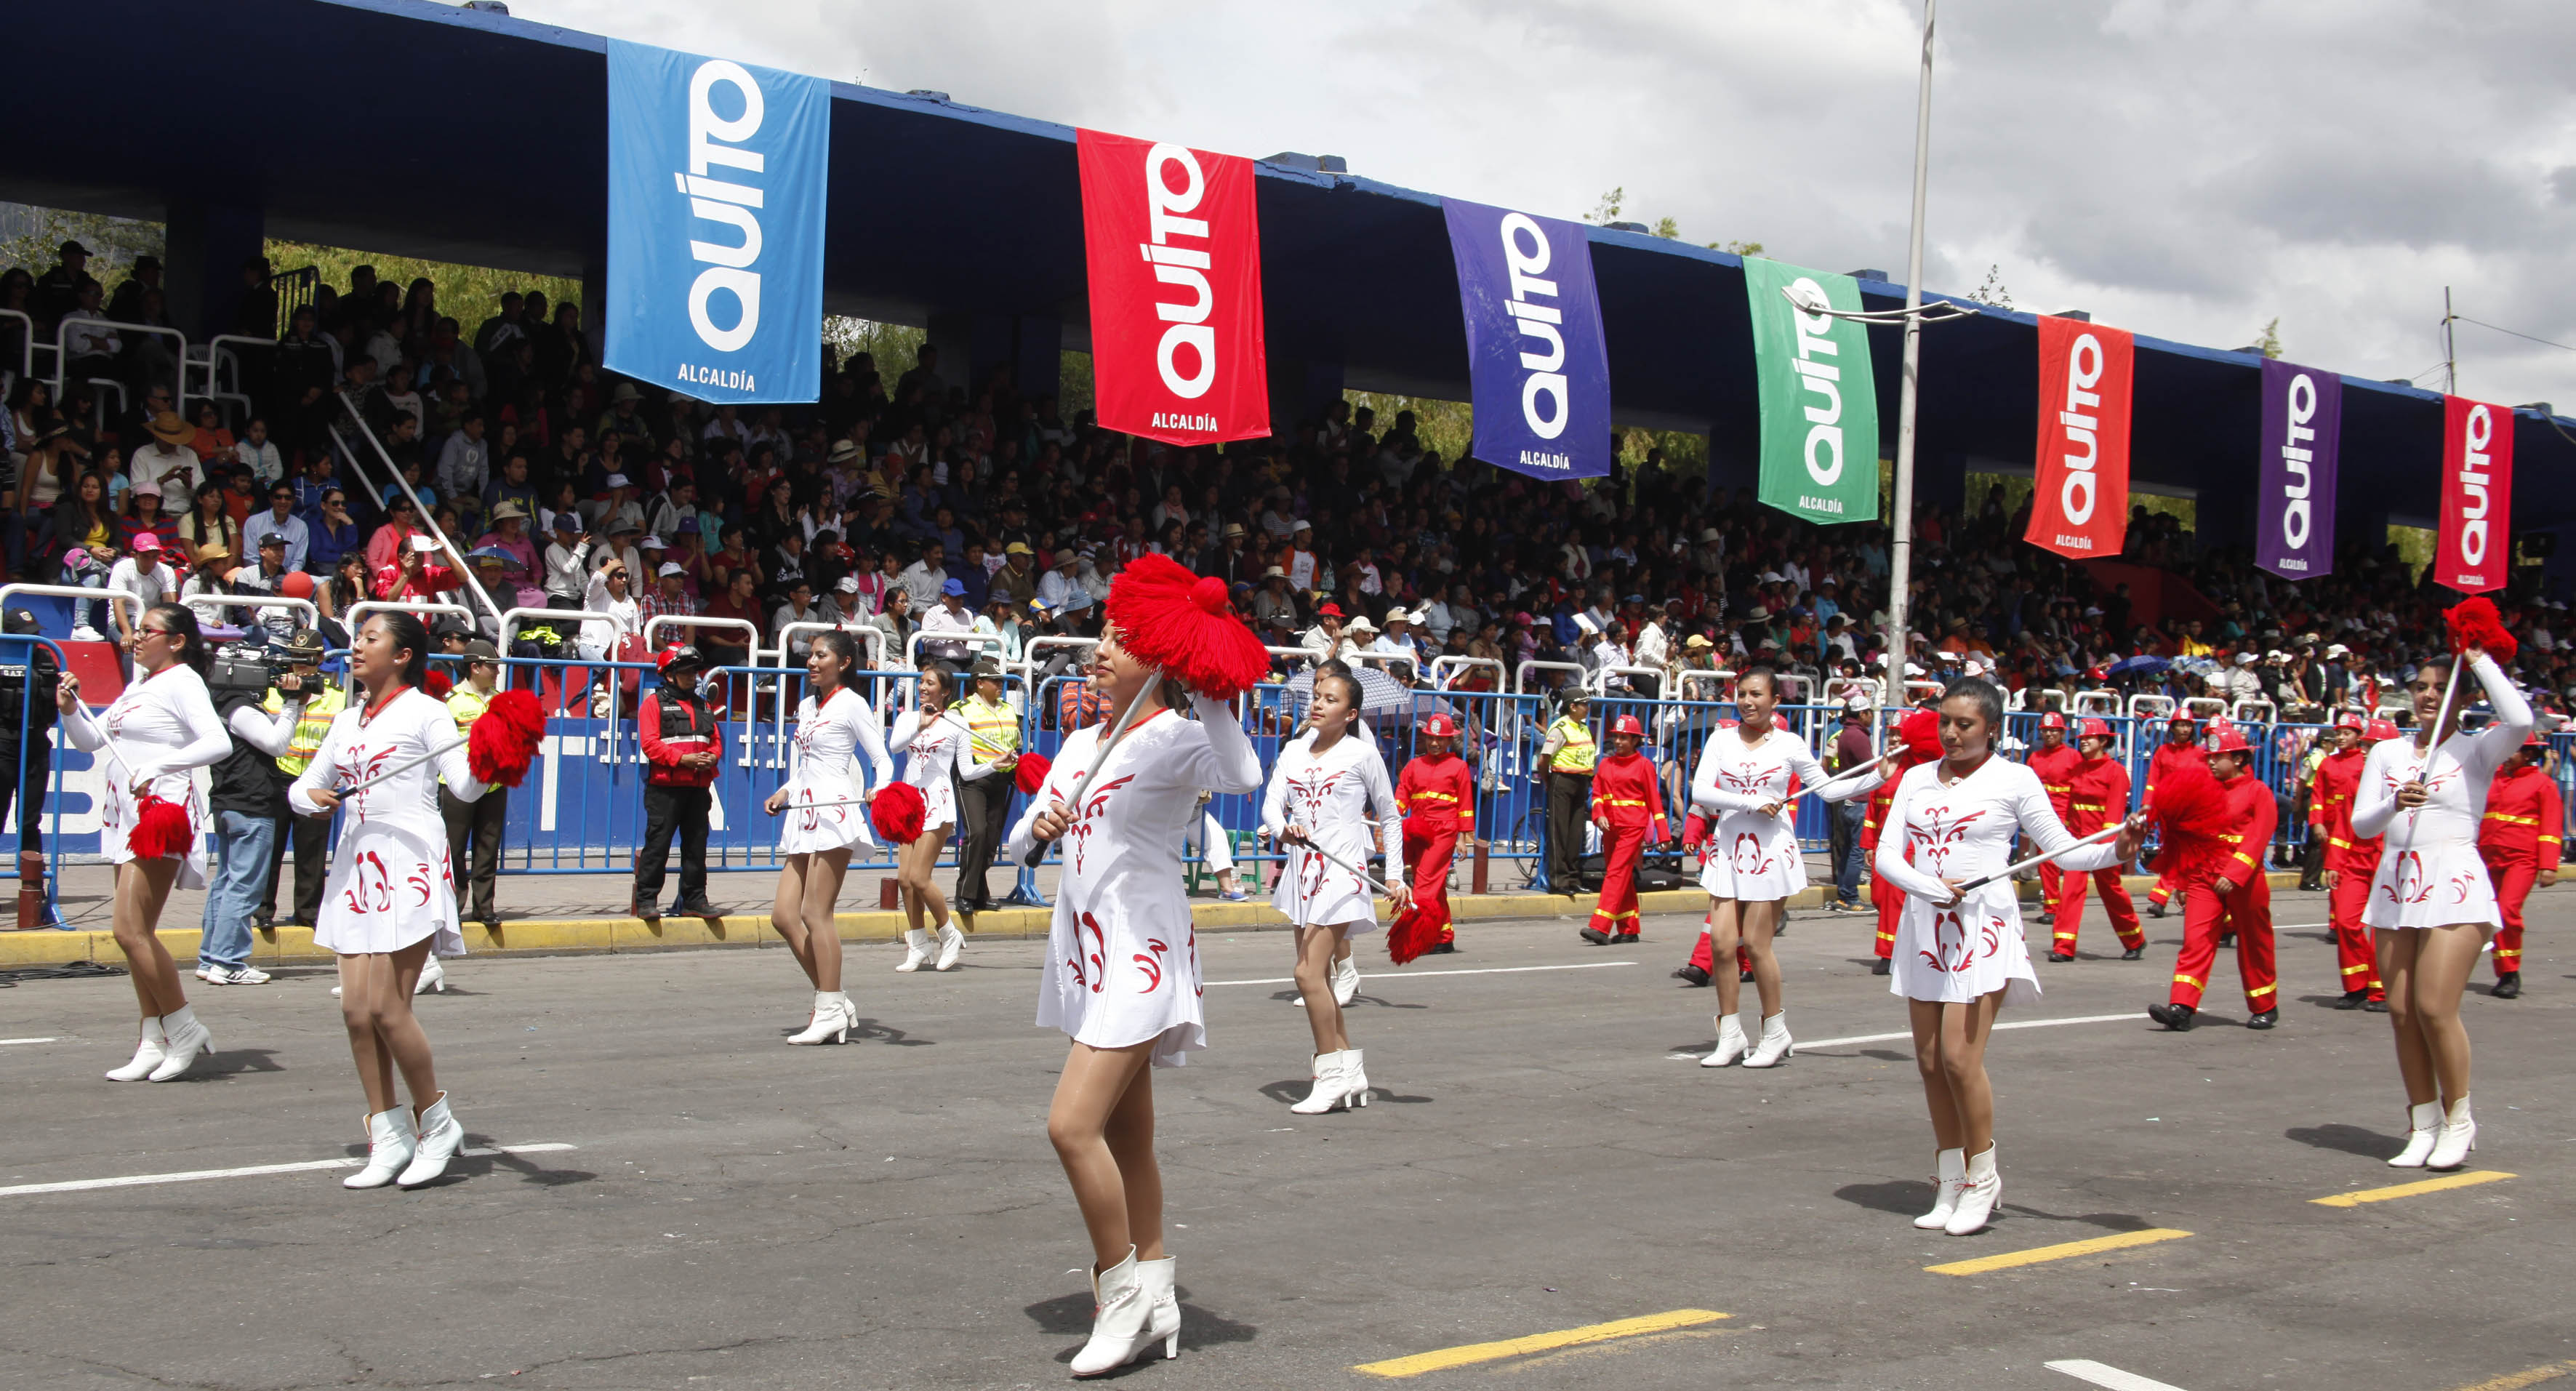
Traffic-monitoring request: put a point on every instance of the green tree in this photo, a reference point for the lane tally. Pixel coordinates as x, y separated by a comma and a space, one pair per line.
2269, 340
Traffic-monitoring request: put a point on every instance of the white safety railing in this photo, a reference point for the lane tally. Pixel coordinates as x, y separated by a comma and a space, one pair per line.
2150, 707
1521, 673
63, 359
1868, 688
2099, 700
912, 645
2205, 707
871, 640
660, 621
1914, 689
1049, 643
1412, 669
1294, 655
1444, 670
1722, 678
357, 614
27, 344
217, 357
312, 615
75, 592
2264, 711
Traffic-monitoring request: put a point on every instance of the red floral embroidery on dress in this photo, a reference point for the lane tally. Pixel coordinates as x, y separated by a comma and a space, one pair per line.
371, 885
1153, 965
1751, 856
1945, 922
418, 882
1932, 837
1092, 808
2408, 884
1096, 958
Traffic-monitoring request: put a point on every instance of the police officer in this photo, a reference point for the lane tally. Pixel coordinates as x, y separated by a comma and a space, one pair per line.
984, 797
683, 747
476, 824
1565, 763
21, 718
313, 701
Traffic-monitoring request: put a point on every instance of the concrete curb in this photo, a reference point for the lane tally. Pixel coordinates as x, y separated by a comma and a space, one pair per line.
586, 936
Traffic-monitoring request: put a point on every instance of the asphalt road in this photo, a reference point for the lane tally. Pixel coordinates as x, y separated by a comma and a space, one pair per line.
732, 1212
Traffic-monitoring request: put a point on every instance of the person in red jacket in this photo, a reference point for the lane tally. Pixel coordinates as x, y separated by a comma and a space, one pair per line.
1628, 806
2097, 796
2181, 746
2227, 890
2055, 762
1437, 792
683, 745
2519, 840
2350, 861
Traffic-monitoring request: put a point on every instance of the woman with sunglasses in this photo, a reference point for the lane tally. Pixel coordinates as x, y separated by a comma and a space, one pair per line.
160, 727
391, 899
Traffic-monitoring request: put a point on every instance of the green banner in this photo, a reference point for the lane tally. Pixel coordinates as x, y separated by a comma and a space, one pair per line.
1819, 402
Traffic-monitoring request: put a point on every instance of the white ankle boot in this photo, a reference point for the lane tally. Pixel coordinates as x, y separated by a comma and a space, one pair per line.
951, 942
1346, 980
187, 1039
147, 1054
1338, 1082
2459, 1136
1776, 1045
391, 1138
433, 977
2423, 1128
1953, 1179
1731, 1043
1164, 1320
440, 1138
831, 1020
1122, 1320
916, 949
1977, 1196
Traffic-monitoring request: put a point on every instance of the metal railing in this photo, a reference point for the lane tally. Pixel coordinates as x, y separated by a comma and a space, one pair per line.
179, 360
429, 523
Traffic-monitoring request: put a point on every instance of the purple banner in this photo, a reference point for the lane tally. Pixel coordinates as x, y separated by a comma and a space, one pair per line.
1538, 372
2302, 429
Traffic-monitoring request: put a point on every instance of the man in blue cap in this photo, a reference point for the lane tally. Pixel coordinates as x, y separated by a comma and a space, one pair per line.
949, 615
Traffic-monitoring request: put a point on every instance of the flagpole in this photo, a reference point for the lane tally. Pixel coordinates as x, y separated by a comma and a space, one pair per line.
1900, 559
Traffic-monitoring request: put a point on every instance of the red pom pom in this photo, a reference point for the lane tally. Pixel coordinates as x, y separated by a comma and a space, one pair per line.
2192, 808
1416, 930
1919, 730
438, 683
2475, 623
1164, 617
160, 828
503, 740
1031, 774
896, 813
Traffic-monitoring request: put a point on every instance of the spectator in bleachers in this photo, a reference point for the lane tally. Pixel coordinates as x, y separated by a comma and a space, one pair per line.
209, 522
279, 519
144, 573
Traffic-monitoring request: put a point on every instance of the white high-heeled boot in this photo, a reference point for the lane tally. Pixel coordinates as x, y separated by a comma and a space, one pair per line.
440, 1138
1953, 1177
1978, 1195
1776, 1045
1163, 1319
1346, 980
187, 1040
2459, 1136
147, 1054
1731, 1042
1121, 1320
916, 949
391, 1138
831, 1024
1355, 1077
433, 977
2423, 1128
1332, 1085
951, 942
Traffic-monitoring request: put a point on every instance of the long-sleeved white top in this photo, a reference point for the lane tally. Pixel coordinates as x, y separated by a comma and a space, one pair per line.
1332, 794
1735, 776
157, 729
2455, 776
1964, 829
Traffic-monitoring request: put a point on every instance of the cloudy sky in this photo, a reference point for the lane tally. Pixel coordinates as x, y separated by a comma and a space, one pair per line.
2190, 169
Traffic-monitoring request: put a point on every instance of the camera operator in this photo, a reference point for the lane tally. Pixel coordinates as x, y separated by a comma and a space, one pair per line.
309, 702
21, 662
249, 802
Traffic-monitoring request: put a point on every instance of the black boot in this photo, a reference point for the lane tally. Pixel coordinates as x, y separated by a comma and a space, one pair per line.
1880, 966
2508, 985
1595, 936
2264, 1020
1693, 974
2174, 1017
2155, 909
2353, 999
2061, 957
2133, 953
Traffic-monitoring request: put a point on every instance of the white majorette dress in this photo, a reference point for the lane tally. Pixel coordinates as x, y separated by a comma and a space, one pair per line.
2430, 872
820, 769
1122, 959
1755, 858
1960, 831
391, 881
934, 759
1331, 795
164, 726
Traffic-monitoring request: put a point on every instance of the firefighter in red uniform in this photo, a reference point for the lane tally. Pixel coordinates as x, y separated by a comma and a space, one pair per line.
682, 747
1437, 794
2349, 863
2227, 889
2182, 745
2055, 762
1628, 806
2098, 795
2519, 840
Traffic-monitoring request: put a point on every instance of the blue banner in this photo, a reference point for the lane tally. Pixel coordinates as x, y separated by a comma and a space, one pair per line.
717, 176
1535, 360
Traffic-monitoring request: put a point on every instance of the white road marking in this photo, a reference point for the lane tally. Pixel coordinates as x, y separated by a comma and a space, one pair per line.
1804, 1044
1400, 973
2083, 1369
194, 1175
5, 1042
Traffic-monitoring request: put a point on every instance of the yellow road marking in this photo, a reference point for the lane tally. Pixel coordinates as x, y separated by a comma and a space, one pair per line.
1472, 1353
2517, 1380
2409, 1190
2040, 1254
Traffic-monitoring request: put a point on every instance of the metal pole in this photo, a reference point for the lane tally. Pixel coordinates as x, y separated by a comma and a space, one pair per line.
2450, 360
1900, 558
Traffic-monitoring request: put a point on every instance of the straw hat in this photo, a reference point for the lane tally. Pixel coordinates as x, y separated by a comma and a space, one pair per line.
168, 428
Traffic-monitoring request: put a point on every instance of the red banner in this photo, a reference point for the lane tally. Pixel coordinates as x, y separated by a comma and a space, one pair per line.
2079, 506
1174, 243
2475, 551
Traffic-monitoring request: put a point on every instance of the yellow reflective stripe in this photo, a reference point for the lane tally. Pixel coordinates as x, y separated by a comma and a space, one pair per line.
2179, 979
2262, 990
2089, 806
1619, 801
2512, 820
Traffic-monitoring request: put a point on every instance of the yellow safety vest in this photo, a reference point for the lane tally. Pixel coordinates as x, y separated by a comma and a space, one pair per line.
465, 705
310, 727
996, 728
1577, 753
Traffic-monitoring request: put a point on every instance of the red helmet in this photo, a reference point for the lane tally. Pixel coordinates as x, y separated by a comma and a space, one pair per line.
679, 655
1440, 727
2095, 729
2185, 721
2227, 738
1628, 724
2052, 720
2351, 719
2534, 741
2380, 730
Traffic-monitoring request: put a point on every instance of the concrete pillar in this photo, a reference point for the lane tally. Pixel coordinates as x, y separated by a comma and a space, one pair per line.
206, 245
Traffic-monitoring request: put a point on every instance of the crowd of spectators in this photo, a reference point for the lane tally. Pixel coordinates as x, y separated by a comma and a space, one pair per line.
912, 499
